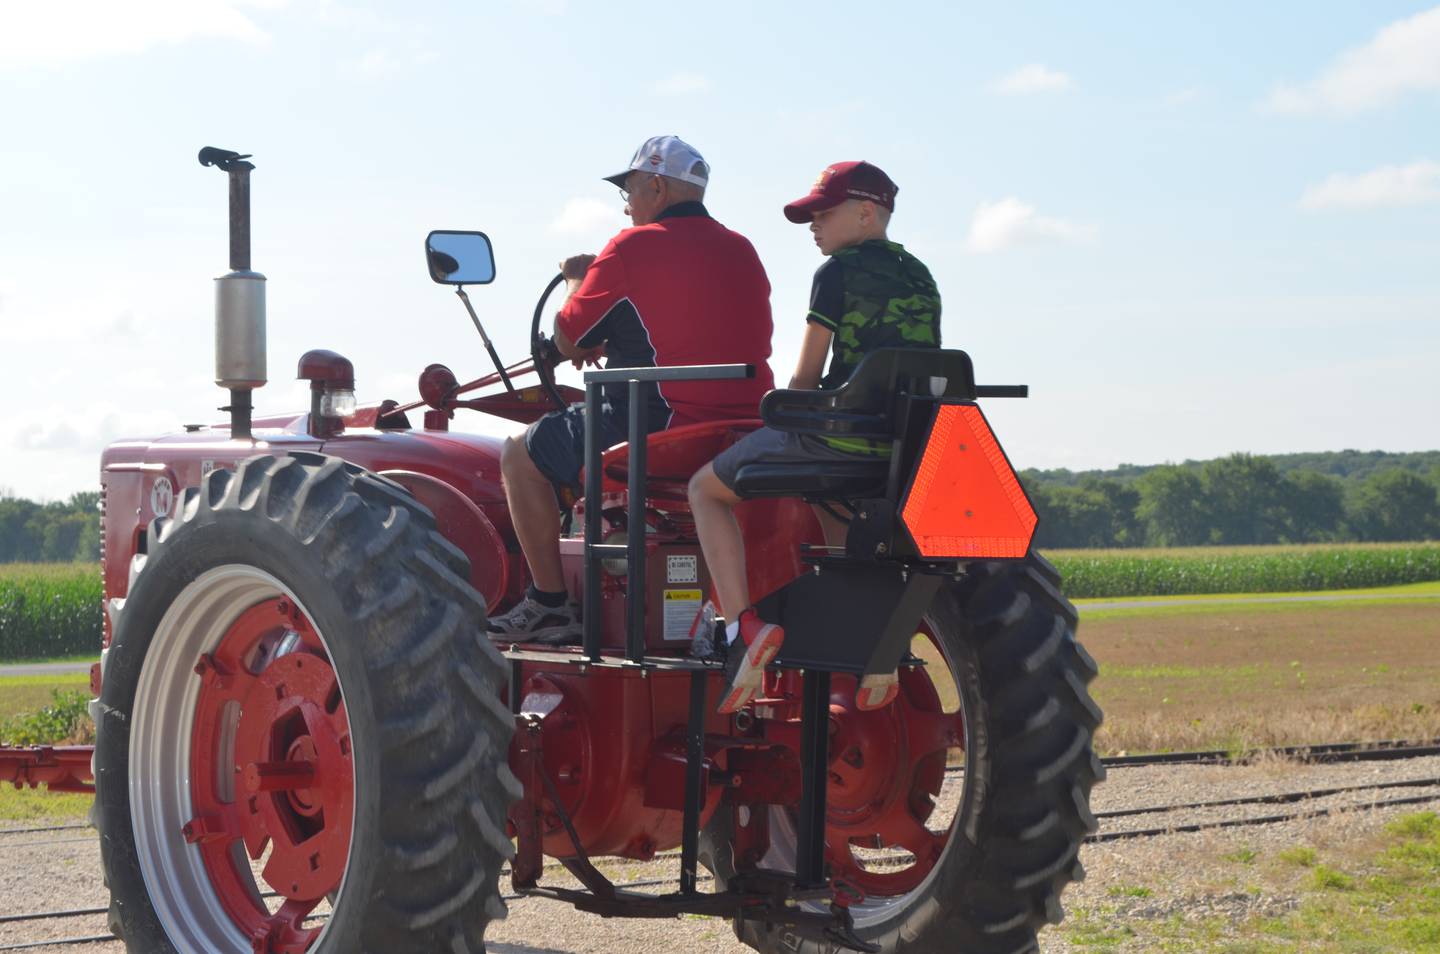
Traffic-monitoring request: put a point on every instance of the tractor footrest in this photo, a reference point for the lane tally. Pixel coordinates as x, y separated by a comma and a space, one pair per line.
768, 905
574, 656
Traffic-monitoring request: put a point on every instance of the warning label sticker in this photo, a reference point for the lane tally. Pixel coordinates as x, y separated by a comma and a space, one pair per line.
682, 568
681, 608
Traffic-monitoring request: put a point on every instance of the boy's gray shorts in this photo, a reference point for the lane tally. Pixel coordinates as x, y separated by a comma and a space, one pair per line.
776, 447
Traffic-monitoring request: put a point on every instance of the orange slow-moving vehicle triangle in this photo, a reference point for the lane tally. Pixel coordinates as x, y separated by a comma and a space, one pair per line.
965, 500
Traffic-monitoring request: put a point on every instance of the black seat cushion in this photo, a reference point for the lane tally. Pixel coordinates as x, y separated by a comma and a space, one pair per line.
827, 479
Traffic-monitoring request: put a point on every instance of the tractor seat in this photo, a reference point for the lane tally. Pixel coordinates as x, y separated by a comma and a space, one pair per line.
673, 456
830, 480
865, 406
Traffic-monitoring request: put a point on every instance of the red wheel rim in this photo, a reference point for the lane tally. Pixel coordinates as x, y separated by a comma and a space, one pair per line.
887, 768
271, 770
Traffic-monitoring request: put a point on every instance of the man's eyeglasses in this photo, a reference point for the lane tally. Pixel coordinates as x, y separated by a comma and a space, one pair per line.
625, 191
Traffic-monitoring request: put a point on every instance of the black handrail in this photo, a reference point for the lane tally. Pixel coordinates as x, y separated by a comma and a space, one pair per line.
638, 431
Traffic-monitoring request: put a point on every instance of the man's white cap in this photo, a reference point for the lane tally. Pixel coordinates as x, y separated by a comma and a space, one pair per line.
667, 156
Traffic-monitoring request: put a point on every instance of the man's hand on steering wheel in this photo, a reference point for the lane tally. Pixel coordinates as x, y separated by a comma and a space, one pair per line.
591, 356
573, 269
547, 352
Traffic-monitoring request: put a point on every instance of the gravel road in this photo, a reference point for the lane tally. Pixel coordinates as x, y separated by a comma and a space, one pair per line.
60, 870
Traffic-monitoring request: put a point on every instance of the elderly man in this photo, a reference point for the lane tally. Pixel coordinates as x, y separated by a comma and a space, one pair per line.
678, 288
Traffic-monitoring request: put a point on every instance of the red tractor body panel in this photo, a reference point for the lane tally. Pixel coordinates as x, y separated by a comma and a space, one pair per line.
143, 479
457, 475
622, 789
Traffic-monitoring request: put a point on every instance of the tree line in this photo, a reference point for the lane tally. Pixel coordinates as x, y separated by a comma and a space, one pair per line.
1241, 499
50, 532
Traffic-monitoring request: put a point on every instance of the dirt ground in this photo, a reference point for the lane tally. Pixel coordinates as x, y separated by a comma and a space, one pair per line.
1159, 894
1285, 676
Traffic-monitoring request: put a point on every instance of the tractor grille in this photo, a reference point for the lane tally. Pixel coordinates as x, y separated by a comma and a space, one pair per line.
104, 616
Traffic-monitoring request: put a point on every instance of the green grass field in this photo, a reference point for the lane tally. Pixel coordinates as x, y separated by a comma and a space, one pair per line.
1376, 893
1234, 675
19, 696
1277, 549
22, 694
1094, 610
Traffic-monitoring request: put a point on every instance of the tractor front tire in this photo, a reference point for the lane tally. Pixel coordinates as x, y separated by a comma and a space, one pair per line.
1029, 764
300, 708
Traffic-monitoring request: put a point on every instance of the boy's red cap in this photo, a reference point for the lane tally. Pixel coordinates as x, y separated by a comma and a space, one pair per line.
844, 180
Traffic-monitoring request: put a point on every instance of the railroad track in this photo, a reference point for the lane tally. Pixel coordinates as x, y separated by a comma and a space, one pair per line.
1382, 751
1319, 754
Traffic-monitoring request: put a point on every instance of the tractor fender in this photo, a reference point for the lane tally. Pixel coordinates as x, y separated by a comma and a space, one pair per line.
464, 524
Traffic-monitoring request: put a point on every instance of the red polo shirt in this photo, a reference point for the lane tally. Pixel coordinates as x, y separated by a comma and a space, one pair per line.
682, 290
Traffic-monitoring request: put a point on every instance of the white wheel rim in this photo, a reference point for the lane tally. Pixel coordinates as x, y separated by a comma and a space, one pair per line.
159, 780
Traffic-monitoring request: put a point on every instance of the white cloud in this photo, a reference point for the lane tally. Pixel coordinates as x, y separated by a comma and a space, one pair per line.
1185, 97
1033, 78
682, 84
586, 216
1404, 57
1010, 222
383, 62
49, 34
1414, 184
377, 63
79, 433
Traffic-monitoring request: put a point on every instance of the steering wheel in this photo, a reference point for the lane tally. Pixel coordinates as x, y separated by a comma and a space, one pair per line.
542, 349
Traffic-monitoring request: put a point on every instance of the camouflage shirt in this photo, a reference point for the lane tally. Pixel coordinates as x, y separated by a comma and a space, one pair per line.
872, 295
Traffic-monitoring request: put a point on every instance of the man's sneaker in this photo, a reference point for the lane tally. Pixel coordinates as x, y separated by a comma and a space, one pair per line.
707, 635
877, 690
531, 621
746, 659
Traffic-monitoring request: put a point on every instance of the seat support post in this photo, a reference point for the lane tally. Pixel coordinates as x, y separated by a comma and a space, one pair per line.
635, 526
590, 609
694, 773
814, 779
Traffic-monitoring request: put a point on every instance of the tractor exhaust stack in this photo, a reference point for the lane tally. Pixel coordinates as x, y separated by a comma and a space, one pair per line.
239, 300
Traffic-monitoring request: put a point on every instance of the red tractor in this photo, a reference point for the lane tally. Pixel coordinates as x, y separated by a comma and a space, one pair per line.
306, 742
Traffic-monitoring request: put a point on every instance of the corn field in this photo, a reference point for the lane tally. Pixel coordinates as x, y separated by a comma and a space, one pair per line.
1271, 569
49, 609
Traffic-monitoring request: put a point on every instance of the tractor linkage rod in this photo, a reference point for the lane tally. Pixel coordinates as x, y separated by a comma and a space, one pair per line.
766, 896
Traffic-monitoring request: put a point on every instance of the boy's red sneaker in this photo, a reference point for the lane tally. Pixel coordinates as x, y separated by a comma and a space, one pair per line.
877, 690
746, 658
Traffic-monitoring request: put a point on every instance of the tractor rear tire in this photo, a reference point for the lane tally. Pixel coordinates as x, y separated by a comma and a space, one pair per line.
1009, 637
403, 745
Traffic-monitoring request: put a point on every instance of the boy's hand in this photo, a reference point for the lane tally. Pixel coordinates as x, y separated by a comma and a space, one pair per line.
574, 268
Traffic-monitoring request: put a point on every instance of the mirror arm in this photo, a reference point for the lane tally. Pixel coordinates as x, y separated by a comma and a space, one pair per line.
460, 290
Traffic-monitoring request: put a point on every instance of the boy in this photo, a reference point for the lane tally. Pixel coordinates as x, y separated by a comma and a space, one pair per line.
870, 294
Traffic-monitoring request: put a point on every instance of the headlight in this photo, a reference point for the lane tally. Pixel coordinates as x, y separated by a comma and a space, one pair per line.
337, 403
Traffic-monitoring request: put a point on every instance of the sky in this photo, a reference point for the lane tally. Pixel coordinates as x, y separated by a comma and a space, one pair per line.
1192, 229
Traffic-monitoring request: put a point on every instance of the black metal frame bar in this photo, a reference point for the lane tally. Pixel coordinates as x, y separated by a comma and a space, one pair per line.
635, 525
810, 876
815, 772
694, 769
590, 607
678, 372
638, 430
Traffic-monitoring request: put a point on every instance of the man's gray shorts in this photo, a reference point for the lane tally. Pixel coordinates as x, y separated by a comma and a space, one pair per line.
770, 446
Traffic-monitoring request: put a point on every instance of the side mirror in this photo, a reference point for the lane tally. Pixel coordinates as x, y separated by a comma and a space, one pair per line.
460, 258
